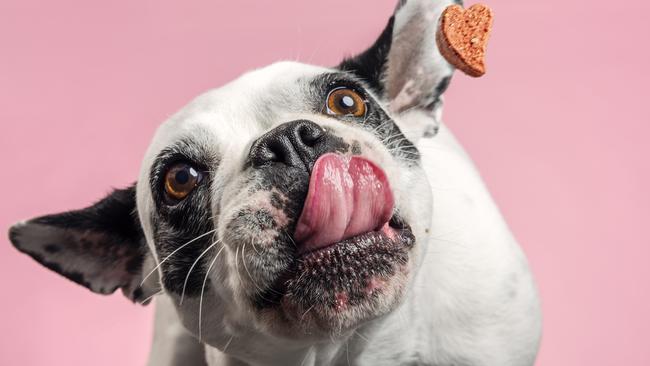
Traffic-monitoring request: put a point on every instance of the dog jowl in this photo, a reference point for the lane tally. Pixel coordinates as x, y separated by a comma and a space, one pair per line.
282, 212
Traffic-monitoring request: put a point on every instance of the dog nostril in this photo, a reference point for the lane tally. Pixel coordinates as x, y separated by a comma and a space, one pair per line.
277, 151
309, 134
263, 154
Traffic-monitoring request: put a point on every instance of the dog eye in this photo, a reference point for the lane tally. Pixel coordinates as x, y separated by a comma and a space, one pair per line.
345, 102
180, 180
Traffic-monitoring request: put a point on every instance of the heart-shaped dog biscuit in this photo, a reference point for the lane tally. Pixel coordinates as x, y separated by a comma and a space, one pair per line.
462, 37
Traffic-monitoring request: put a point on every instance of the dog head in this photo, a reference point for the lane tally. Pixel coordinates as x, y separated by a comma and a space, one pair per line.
288, 204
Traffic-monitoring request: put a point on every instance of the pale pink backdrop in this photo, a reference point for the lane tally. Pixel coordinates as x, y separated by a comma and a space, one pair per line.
559, 127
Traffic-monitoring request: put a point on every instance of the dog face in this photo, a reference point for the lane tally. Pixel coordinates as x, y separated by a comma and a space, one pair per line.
287, 162
290, 202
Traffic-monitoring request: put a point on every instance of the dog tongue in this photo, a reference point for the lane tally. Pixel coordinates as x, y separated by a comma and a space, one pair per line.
347, 197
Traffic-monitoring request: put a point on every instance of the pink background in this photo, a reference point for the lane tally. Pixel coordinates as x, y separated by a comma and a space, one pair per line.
559, 128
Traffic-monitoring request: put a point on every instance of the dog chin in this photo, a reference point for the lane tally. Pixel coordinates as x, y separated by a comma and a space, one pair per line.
337, 288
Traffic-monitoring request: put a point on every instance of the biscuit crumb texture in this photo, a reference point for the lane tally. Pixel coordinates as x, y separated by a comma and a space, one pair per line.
462, 37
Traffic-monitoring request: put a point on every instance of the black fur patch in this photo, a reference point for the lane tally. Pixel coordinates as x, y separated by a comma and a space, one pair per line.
437, 93
356, 148
114, 215
369, 66
443, 85
176, 224
169, 239
52, 248
117, 238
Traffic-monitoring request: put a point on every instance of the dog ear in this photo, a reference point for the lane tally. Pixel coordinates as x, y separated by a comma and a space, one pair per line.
405, 67
101, 247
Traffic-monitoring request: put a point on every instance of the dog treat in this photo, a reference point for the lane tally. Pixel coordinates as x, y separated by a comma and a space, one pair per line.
462, 37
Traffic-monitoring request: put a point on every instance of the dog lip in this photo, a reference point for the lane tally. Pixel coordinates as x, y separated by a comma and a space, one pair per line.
388, 230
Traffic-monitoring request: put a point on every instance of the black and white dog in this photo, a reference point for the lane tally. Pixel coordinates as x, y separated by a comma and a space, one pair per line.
303, 215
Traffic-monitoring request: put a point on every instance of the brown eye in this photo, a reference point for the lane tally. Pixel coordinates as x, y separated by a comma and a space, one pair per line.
180, 180
345, 102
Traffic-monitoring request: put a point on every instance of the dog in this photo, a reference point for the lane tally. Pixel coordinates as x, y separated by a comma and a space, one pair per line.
303, 215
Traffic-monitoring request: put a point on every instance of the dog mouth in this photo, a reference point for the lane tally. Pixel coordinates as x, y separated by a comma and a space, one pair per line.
351, 273
351, 243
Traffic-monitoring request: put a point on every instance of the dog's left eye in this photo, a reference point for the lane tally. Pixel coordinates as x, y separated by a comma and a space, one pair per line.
345, 102
180, 180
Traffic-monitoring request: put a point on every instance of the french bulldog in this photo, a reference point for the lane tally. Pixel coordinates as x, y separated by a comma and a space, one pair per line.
305, 215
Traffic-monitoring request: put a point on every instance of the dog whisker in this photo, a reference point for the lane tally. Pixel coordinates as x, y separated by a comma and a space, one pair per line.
290, 238
260, 291
174, 252
307, 355
396, 143
225, 347
148, 298
347, 351
237, 266
362, 336
305, 313
255, 248
187, 277
205, 279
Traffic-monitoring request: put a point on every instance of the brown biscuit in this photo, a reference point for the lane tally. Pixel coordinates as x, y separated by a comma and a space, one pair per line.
462, 37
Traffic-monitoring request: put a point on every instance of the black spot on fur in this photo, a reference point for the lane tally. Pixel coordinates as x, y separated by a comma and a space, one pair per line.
77, 277
137, 294
265, 219
443, 85
277, 201
52, 248
356, 148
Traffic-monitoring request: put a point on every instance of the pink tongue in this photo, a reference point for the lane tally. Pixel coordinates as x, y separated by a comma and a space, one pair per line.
347, 197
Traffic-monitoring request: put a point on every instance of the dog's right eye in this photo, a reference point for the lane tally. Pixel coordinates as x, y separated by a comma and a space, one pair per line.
180, 181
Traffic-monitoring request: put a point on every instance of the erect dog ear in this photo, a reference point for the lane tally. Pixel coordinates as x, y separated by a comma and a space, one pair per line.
405, 67
101, 247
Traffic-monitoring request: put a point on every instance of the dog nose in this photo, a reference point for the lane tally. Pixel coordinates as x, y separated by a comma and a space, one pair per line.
293, 143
